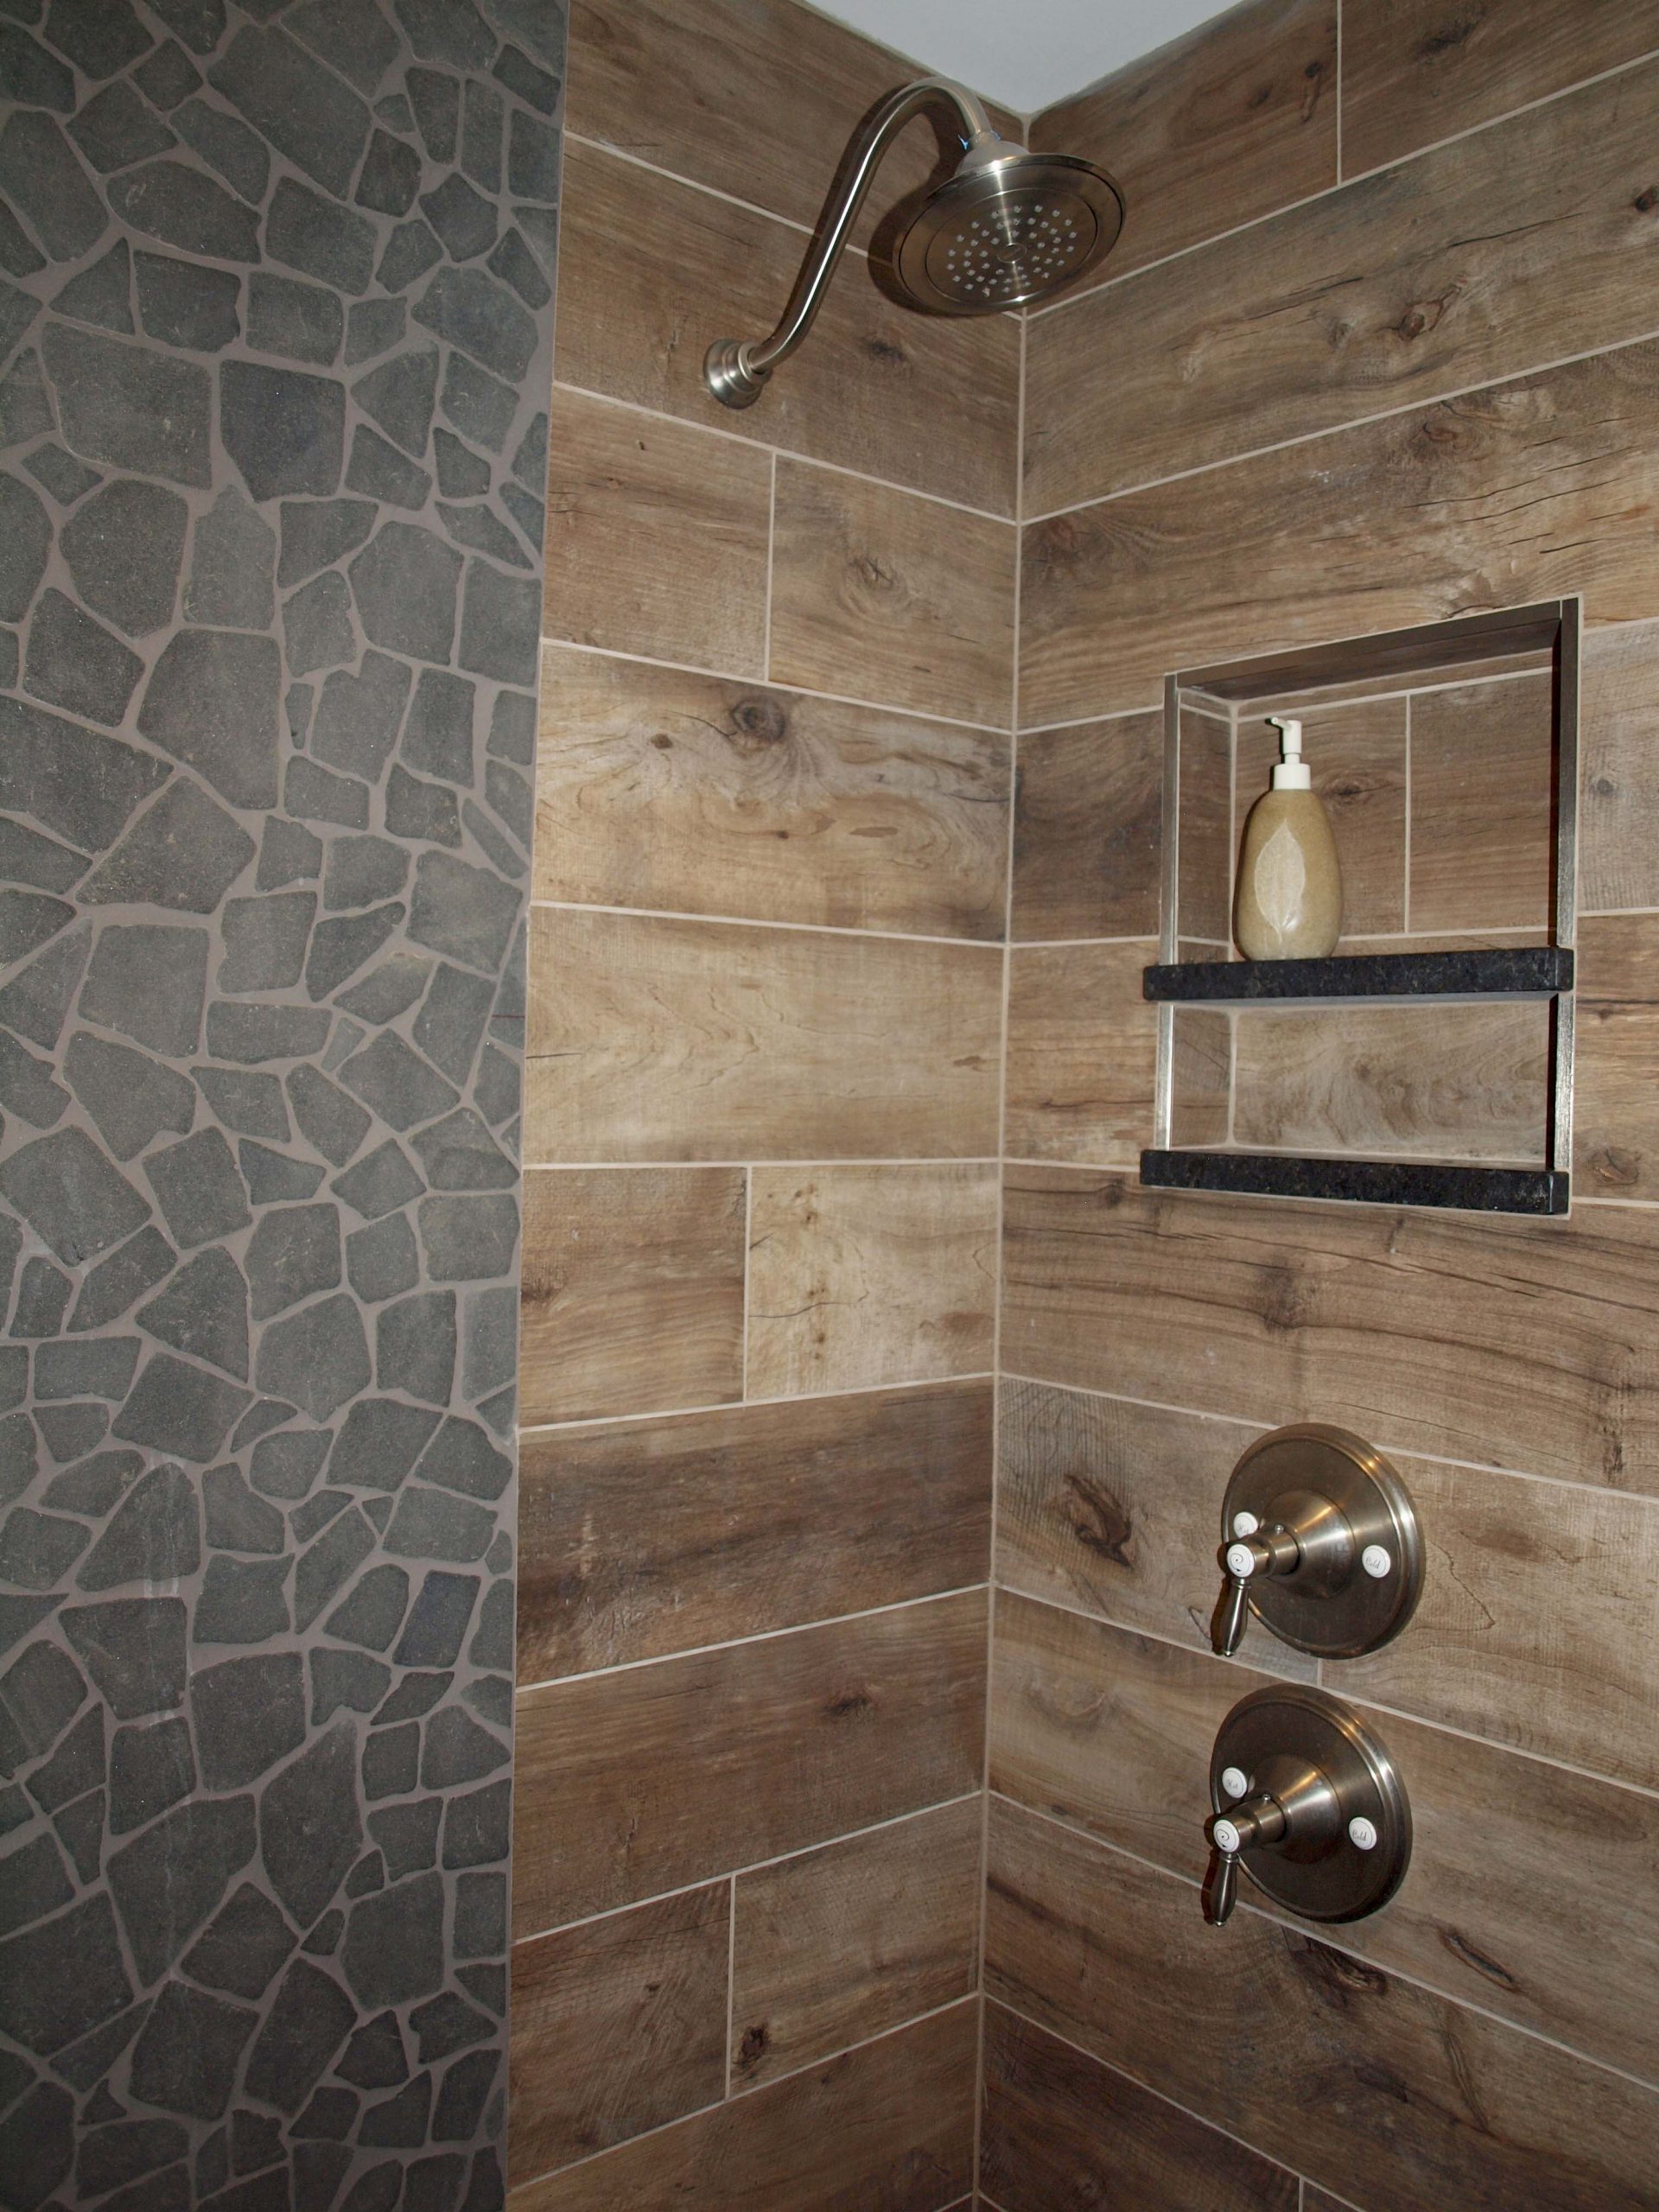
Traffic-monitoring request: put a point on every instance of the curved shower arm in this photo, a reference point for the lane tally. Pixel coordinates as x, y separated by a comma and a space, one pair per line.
735, 371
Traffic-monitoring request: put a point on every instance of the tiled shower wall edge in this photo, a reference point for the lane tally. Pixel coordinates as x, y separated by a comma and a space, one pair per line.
277, 340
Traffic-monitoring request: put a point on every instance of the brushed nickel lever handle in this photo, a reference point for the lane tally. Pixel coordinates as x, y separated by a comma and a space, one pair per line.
1260, 1818
1244, 1561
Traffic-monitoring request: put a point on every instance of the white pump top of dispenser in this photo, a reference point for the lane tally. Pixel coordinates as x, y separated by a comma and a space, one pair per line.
1290, 772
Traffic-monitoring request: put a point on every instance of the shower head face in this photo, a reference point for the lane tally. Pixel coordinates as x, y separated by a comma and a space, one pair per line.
1007, 232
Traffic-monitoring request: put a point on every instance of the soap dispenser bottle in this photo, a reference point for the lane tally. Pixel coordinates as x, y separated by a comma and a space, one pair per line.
1288, 902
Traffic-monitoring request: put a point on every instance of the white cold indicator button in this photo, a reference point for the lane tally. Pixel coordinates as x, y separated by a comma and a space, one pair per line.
1241, 1561
1377, 1560
1362, 1834
1226, 1836
1245, 1524
1234, 1782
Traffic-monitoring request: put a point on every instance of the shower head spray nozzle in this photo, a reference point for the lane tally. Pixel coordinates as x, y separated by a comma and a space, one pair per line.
1007, 229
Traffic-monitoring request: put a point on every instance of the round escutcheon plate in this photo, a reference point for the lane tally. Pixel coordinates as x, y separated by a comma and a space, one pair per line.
1280, 1739
1307, 1474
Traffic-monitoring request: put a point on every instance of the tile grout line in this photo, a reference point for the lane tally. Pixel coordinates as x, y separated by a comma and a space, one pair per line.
794, 454
748, 1247
749, 676
551, 1682
751, 1866
1122, 2074
750, 922
741, 2096
1644, 1498
731, 1976
1422, 402
590, 1421
1340, 91
1289, 1925
1262, 1664
1358, 176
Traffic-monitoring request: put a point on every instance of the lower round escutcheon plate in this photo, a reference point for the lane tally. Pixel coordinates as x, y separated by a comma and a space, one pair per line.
1279, 1737
1297, 1468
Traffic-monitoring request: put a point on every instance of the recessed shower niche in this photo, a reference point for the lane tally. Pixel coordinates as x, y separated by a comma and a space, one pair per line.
1428, 1061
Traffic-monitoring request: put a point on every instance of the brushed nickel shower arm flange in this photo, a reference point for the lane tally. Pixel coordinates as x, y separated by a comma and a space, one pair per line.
736, 370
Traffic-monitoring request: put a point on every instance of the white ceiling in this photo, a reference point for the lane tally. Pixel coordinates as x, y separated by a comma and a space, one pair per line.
1027, 53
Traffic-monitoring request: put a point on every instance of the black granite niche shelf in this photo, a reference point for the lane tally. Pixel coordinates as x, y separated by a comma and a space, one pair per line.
1444, 978
1364, 1182
1202, 708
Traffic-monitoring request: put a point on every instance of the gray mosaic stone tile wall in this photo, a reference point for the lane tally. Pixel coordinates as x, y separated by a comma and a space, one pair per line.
273, 351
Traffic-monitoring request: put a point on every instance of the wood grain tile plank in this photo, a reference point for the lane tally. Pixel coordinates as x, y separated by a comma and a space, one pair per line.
1112, 1731
755, 98
1114, 1509
649, 1038
661, 789
888, 2128
1087, 821
631, 1783
1616, 1106
1493, 499
865, 1275
1382, 294
1415, 71
1438, 2105
617, 2026
880, 595
1082, 1049
1538, 1620
1468, 1083
656, 537
631, 1293
647, 1537
845, 1942
1483, 776
1272, 1311
650, 271
1234, 119
1357, 756
1061, 2131
1619, 768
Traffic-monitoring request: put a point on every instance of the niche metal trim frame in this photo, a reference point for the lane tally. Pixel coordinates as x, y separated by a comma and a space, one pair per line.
1388, 658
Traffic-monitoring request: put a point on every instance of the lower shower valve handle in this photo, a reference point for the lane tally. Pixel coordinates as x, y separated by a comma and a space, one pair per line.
1260, 1818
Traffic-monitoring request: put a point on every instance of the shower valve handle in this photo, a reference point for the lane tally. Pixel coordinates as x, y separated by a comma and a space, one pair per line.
1247, 1559
1260, 1818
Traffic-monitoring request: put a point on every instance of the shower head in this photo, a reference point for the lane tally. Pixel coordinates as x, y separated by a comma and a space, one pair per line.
1006, 229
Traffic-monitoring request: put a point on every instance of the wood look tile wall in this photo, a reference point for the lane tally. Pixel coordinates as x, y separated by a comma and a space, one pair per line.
1290, 422
762, 1129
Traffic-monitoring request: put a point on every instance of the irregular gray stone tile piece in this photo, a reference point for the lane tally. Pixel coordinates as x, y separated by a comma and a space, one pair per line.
244, 1946
248, 1714
130, 1097
124, 549
479, 405
211, 702
466, 912
25, 543
134, 1650
415, 1347
405, 581
357, 717
230, 561
381, 472
320, 238
42, 176
284, 429
168, 75
198, 1188
111, 1288
154, 1537
101, 294
411, 252
249, 1035
130, 405
265, 939
500, 623
98, 40
239, 154
317, 627
184, 304
148, 980
318, 1359
76, 1202
176, 1408
293, 1253
307, 2022
187, 2051
204, 1311
184, 852
74, 663
302, 108
468, 1240
390, 176
374, 327
351, 34
381, 1260
183, 208
302, 322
